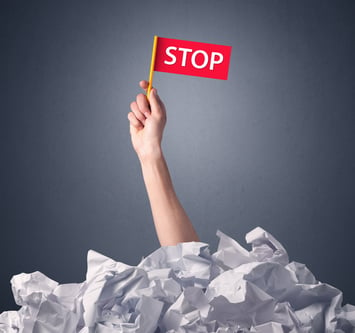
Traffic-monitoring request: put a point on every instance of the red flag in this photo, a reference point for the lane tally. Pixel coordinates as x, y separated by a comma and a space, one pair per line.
192, 58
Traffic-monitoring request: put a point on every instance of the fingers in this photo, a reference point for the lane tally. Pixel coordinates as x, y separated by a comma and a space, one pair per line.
140, 108
143, 104
134, 121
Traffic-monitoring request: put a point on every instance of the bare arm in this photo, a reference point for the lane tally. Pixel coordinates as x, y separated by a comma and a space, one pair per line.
147, 122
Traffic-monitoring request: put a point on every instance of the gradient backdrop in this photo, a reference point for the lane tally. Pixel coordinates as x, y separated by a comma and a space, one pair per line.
273, 146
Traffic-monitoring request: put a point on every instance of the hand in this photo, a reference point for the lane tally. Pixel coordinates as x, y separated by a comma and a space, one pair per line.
147, 121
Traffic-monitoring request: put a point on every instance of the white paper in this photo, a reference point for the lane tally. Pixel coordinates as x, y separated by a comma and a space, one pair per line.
184, 289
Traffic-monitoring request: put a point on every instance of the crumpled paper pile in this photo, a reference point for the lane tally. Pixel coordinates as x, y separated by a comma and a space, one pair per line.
184, 289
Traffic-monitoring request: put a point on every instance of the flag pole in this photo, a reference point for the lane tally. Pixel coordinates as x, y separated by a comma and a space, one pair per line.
152, 63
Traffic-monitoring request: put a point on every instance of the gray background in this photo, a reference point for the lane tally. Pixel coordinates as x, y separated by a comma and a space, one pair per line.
273, 146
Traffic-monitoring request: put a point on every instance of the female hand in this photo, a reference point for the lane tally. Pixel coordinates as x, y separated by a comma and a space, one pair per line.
147, 121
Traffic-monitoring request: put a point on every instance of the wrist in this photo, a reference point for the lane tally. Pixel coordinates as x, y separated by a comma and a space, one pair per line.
150, 155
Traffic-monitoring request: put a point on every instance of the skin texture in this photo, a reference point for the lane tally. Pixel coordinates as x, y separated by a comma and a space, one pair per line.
147, 122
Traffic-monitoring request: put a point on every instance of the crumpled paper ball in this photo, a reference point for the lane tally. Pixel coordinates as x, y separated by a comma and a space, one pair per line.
184, 289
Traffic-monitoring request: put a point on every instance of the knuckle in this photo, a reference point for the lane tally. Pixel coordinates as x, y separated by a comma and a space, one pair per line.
132, 105
140, 96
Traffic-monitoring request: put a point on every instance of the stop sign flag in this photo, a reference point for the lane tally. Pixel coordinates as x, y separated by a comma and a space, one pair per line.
192, 58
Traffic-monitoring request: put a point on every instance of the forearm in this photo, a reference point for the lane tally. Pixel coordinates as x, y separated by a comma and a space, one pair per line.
171, 221
147, 121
